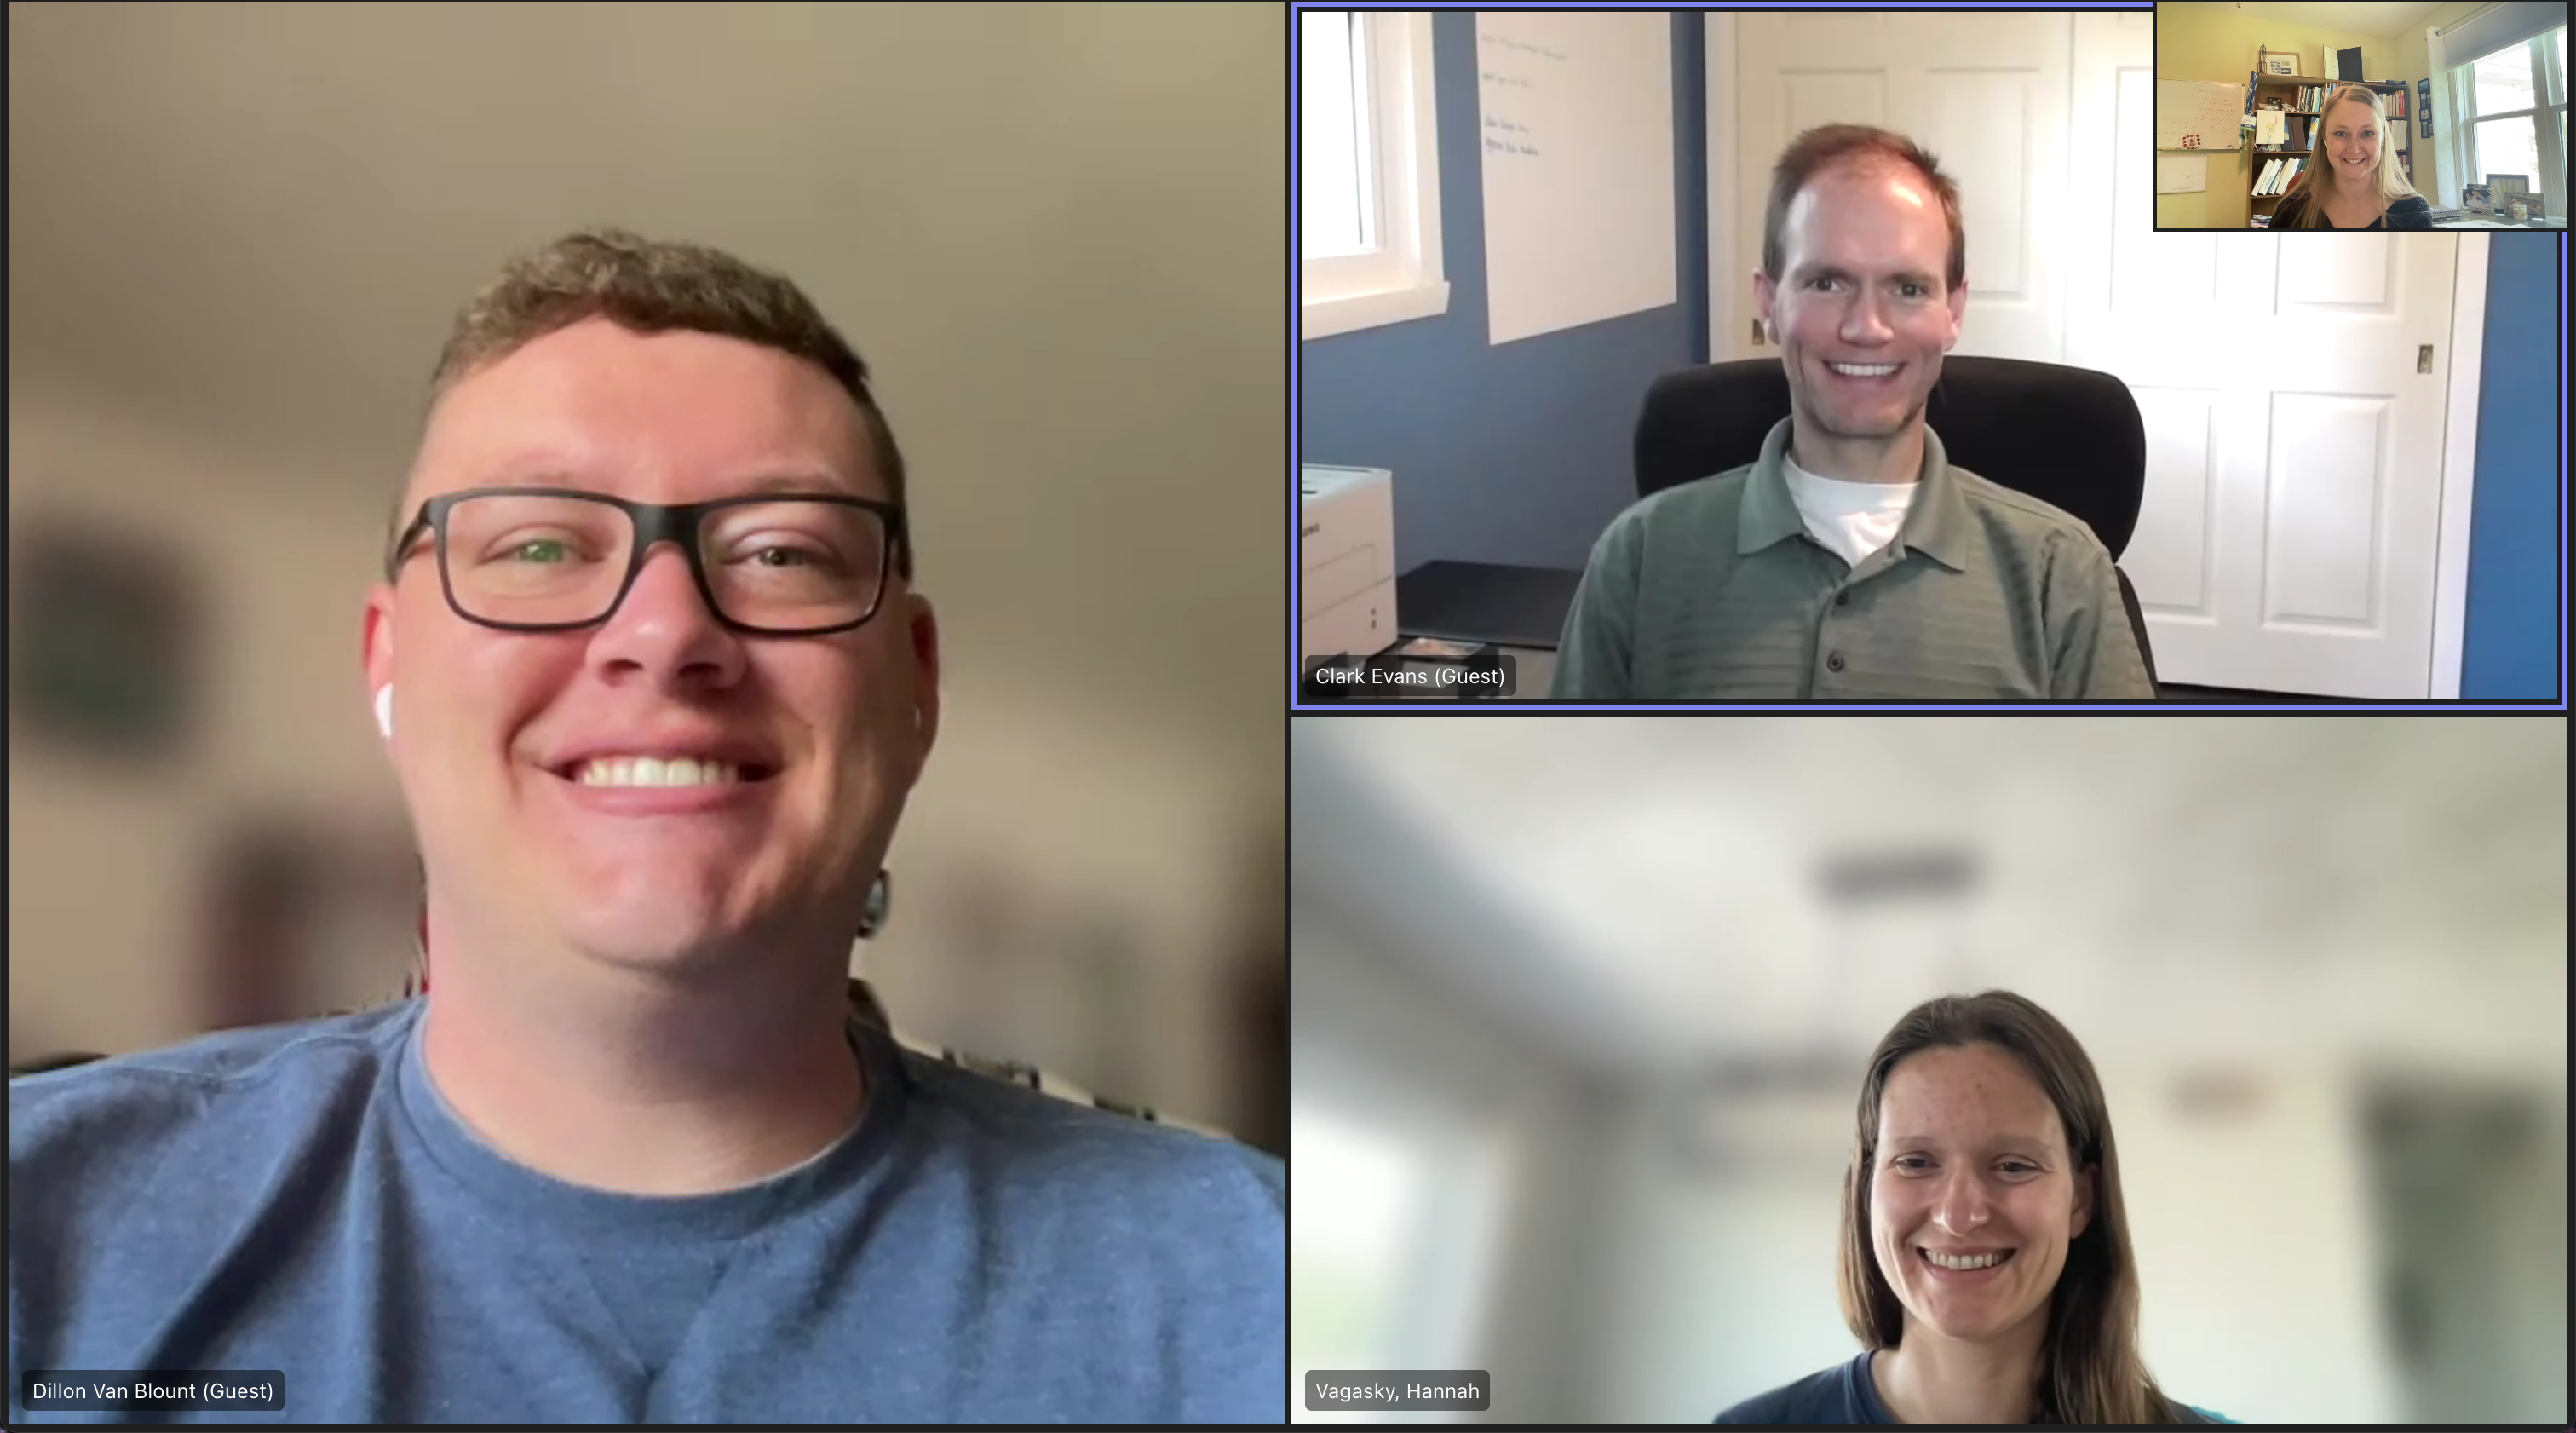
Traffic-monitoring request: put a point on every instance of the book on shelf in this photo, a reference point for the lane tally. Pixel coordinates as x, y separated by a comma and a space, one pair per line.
2277, 175
2295, 136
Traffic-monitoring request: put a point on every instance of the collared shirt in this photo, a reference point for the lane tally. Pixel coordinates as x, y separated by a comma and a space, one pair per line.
1715, 590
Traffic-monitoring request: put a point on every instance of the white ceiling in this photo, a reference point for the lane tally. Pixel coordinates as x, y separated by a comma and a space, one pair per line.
1648, 888
2360, 17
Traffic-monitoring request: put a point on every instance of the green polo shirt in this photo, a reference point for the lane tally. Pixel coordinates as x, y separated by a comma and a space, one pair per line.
1714, 590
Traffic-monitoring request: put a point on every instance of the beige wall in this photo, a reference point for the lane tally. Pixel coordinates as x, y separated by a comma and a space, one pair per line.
1055, 232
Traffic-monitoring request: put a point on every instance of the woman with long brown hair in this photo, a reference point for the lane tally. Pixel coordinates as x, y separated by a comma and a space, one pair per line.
1985, 1261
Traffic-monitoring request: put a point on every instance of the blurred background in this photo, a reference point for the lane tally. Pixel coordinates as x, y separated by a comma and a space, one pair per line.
1582, 1006
238, 235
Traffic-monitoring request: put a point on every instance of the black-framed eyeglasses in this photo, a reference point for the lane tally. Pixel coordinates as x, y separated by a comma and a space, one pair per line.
560, 559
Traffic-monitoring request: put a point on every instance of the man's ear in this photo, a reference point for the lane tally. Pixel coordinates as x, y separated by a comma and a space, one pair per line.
1764, 295
924, 632
376, 652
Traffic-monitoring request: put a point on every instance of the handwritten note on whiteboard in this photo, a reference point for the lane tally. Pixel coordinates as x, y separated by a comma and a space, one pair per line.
2191, 114
1575, 123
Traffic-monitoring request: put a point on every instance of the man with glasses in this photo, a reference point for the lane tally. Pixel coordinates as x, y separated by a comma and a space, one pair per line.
656, 681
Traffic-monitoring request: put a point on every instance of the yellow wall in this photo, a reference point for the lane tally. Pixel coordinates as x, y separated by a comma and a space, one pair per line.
2205, 41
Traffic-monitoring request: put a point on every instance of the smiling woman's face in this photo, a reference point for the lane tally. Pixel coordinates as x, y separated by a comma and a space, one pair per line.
1972, 1161
2351, 141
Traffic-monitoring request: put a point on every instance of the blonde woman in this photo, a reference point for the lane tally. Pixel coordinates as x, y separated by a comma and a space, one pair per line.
2351, 179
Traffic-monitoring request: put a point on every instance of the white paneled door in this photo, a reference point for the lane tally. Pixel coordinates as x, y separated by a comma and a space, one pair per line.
2293, 388
1985, 93
2292, 385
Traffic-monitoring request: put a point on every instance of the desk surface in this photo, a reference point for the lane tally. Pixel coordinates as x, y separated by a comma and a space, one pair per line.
1485, 602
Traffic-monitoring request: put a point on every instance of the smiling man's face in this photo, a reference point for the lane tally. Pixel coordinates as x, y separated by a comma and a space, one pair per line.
1863, 315
519, 751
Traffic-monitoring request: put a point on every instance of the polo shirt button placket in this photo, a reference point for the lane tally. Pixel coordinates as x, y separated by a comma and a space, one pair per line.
1834, 662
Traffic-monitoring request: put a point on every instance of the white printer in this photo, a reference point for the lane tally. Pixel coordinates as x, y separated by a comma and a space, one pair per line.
1345, 561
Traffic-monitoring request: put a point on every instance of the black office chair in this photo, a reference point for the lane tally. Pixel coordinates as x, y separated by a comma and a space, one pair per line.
2070, 437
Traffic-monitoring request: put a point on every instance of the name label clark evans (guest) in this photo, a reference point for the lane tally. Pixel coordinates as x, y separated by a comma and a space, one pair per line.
1391, 675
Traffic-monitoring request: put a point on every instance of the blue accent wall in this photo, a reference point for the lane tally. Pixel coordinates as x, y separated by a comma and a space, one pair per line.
1519, 453
2510, 649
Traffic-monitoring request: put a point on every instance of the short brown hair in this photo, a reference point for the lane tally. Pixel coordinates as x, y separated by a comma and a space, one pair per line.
653, 286
1832, 144
2089, 1367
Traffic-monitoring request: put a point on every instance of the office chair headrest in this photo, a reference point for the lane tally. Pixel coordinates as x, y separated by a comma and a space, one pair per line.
2070, 437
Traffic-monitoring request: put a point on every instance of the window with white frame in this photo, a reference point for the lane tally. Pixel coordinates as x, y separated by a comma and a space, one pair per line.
1397, 1242
2512, 105
1368, 173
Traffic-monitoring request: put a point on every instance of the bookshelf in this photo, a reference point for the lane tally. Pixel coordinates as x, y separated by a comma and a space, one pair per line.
2394, 96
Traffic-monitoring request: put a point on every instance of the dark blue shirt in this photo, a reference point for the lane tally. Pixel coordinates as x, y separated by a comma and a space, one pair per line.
1845, 1393
301, 1198
2411, 212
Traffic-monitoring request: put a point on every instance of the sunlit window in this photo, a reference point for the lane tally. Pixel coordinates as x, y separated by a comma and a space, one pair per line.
1333, 135
2516, 103
1368, 174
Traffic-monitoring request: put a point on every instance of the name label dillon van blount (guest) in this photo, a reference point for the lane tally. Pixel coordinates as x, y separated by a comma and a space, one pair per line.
91, 1390
1402, 1390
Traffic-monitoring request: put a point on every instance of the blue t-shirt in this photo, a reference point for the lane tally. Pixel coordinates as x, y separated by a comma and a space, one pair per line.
301, 1198
1845, 1393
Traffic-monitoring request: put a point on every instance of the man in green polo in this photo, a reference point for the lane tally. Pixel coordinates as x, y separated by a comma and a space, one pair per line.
1851, 561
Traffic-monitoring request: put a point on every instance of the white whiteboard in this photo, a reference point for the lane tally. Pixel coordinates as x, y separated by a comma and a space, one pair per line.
2182, 173
1575, 121
2194, 114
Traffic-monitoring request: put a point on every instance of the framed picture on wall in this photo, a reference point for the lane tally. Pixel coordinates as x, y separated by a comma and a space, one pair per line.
105, 656
2280, 62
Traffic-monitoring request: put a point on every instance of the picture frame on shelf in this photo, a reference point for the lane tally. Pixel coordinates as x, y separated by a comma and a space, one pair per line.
2278, 62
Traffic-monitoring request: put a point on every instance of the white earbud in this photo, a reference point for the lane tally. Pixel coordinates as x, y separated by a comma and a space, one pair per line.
385, 711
